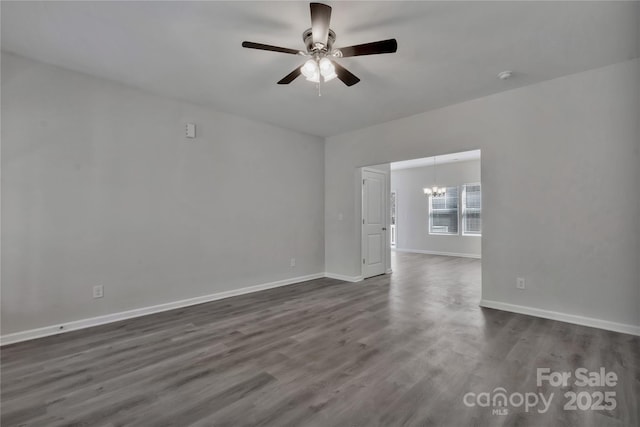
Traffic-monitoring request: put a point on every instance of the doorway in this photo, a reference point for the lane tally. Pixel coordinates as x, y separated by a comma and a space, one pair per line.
440, 209
395, 196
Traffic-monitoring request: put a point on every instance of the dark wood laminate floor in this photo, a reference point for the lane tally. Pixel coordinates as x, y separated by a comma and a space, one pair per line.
396, 350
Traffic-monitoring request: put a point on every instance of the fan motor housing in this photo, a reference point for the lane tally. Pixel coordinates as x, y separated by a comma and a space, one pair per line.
307, 37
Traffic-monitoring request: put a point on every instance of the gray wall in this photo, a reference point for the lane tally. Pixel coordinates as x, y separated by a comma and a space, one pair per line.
413, 208
560, 176
99, 186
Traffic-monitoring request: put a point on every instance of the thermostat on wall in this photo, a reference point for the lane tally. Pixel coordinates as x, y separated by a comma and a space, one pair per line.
190, 130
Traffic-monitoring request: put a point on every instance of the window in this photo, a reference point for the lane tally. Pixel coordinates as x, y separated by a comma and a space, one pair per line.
443, 212
471, 210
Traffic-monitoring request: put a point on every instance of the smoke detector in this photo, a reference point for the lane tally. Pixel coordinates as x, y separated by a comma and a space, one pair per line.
504, 75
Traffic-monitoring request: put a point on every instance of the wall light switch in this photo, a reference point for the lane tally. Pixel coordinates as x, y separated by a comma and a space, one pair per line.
98, 291
190, 130
520, 283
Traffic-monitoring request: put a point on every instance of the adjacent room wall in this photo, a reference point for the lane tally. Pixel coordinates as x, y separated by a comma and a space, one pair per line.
413, 208
100, 187
560, 177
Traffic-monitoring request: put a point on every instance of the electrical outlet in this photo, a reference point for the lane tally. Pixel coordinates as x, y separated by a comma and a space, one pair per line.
98, 291
293, 262
520, 282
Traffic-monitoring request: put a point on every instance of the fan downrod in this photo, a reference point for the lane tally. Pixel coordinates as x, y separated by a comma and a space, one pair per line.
307, 38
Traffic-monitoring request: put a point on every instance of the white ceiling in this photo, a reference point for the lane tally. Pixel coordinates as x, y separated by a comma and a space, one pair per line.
448, 51
463, 156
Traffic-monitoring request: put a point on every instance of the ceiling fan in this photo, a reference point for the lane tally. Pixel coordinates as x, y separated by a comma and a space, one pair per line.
319, 39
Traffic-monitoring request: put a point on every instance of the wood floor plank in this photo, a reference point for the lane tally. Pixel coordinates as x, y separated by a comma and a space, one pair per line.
393, 350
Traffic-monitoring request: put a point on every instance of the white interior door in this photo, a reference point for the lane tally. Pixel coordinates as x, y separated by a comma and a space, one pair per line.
374, 224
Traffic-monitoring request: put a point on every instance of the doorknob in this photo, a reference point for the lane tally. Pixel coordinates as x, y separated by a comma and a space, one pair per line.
384, 228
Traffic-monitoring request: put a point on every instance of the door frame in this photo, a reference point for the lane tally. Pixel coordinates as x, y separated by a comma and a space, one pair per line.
385, 201
393, 227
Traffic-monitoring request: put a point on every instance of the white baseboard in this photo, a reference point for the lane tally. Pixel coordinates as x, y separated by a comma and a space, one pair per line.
389, 271
130, 314
563, 317
143, 311
420, 251
343, 277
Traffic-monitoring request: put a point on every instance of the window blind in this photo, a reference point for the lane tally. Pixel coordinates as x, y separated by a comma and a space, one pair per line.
471, 209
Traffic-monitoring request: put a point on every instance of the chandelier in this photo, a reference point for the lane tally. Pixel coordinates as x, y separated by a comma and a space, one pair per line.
434, 190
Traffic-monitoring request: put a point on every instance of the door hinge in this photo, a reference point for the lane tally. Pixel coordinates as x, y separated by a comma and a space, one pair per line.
363, 260
363, 182
363, 220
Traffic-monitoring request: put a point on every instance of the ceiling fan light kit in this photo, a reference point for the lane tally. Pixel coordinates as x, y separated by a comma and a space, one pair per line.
313, 69
321, 66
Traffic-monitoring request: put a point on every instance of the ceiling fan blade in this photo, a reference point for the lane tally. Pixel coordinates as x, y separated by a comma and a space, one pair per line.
252, 45
373, 48
290, 77
320, 20
345, 75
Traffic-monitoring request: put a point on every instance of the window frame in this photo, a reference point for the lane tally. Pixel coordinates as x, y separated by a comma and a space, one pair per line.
463, 203
430, 210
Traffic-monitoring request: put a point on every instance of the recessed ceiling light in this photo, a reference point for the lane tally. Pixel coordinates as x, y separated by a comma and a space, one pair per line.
504, 75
